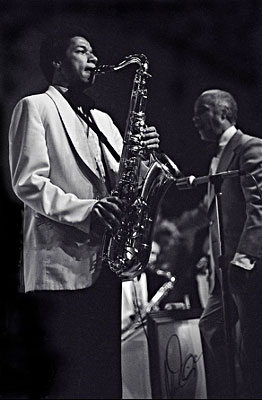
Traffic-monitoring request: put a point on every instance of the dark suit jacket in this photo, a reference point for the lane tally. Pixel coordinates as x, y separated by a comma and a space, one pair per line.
241, 199
241, 203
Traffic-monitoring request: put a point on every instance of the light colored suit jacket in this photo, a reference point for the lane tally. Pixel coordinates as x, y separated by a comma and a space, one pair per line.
55, 175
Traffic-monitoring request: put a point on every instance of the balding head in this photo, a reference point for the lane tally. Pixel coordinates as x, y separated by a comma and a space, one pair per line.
214, 112
222, 101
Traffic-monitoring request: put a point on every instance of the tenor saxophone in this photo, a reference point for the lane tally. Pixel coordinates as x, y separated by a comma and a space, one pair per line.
126, 251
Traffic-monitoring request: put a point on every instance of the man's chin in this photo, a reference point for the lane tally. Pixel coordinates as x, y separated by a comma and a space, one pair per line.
89, 81
206, 138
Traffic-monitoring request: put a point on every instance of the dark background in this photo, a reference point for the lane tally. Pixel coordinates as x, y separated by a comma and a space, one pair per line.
191, 46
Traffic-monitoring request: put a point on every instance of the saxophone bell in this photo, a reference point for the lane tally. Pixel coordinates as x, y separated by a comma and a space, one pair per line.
168, 164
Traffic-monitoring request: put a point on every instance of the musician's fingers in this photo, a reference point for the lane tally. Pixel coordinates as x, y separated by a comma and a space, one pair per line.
112, 207
151, 143
150, 138
150, 129
100, 219
114, 200
110, 213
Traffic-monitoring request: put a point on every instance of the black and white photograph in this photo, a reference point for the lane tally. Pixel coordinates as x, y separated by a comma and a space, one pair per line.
131, 196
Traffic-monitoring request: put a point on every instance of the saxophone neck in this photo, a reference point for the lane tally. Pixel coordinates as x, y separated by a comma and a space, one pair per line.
139, 59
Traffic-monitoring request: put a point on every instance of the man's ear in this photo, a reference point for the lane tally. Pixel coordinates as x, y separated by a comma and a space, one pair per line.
224, 113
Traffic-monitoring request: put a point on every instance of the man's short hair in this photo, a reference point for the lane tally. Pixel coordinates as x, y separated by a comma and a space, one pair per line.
226, 100
54, 46
223, 99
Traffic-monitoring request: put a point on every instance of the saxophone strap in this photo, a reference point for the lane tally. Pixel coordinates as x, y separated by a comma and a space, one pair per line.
89, 119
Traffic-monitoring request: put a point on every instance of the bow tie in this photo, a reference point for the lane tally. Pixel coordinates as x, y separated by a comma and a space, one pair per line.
80, 100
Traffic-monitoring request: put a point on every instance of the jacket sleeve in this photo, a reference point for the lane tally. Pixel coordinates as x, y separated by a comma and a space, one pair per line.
30, 171
251, 184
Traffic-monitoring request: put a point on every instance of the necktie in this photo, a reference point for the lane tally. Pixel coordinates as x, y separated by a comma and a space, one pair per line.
80, 101
215, 159
211, 194
212, 170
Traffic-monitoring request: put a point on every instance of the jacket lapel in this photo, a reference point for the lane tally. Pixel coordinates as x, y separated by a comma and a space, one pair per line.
229, 152
75, 130
112, 166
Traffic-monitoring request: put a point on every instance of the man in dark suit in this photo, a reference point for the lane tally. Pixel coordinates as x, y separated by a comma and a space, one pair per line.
215, 117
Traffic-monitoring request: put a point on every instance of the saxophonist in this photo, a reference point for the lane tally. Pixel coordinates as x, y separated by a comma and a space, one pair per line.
63, 173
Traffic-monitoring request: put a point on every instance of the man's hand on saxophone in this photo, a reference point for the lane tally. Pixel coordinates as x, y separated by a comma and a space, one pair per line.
150, 138
106, 213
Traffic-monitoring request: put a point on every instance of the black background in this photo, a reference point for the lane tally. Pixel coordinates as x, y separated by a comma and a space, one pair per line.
191, 46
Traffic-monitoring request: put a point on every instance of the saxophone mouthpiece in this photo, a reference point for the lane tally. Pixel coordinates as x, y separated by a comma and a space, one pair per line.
103, 69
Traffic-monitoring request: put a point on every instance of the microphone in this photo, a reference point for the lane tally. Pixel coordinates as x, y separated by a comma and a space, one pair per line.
191, 181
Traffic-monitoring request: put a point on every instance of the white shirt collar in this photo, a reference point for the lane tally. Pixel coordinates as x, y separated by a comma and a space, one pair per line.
62, 89
227, 135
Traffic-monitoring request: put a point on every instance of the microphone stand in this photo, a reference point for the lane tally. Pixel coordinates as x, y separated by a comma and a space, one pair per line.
216, 181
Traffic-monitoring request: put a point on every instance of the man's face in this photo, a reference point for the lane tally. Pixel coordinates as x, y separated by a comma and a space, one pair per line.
208, 119
79, 63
